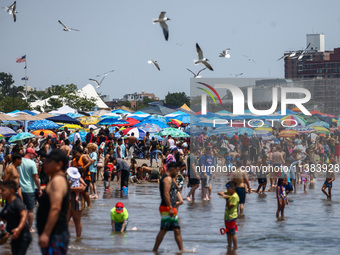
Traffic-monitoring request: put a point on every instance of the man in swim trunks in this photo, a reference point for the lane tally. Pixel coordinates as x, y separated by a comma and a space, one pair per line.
169, 220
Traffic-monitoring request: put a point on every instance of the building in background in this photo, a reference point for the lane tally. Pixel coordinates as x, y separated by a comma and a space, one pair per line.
318, 70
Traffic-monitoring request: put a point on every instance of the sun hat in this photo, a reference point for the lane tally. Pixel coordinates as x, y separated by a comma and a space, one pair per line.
73, 172
119, 207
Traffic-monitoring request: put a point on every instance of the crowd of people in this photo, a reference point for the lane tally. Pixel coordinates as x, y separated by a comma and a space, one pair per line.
61, 176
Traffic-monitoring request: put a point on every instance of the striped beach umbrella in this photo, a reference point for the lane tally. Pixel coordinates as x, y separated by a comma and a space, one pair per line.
291, 120
304, 130
288, 133
46, 133
21, 136
319, 124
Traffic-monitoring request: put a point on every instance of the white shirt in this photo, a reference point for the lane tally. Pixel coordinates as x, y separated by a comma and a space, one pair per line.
171, 143
76, 137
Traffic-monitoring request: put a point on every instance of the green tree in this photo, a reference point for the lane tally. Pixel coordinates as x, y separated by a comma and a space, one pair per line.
8, 104
5, 84
54, 103
126, 104
176, 99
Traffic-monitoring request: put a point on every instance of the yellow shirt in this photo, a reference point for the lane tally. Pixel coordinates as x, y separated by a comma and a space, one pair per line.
232, 213
119, 217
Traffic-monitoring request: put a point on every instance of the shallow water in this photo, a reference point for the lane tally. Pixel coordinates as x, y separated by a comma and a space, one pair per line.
310, 225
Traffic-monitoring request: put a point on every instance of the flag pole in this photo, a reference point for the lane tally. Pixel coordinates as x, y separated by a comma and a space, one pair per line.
26, 77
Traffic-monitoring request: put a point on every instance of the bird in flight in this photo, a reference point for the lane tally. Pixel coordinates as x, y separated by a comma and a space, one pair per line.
202, 59
249, 59
123, 116
291, 56
162, 21
198, 74
303, 52
105, 73
26, 97
235, 75
67, 29
12, 10
225, 54
152, 61
98, 83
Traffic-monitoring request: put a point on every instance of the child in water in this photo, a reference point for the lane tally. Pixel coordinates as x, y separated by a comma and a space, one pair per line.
230, 215
304, 176
281, 197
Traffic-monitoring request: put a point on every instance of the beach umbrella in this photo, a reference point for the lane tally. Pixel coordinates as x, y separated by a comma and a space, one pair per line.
9, 122
245, 130
46, 133
43, 124
139, 133
319, 124
25, 117
21, 136
303, 130
4, 116
291, 120
71, 127
44, 115
268, 129
184, 118
82, 136
2, 137
7, 132
131, 122
176, 122
224, 130
151, 126
113, 122
321, 130
265, 135
174, 132
288, 133
89, 120
238, 124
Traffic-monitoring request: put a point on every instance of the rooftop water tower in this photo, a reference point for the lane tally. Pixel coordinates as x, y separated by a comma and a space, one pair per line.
317, 42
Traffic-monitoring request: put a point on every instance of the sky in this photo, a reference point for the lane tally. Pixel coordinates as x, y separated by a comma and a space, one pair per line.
120, 35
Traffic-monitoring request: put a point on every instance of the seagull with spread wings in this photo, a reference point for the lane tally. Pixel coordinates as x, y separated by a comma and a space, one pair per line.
303, 52
152, 61
198, 74
12, 10
98, 83
225, 54
67, 29
202, 59
249, 59
105, 73
235, 75
162, 21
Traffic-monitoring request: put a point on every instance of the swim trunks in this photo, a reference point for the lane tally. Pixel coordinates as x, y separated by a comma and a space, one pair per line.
241, 192
329, 185
168, 223
231, 226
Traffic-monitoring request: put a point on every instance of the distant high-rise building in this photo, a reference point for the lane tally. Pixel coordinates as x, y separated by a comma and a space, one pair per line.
319, 70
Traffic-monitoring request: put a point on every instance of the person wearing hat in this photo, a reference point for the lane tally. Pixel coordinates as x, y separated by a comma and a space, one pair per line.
74, 179
119, 218
28, 173
171, 157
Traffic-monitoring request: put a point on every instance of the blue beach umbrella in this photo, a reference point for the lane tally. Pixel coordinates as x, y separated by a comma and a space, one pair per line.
244, 130
21, 136
7, 132
82, 136
43, 124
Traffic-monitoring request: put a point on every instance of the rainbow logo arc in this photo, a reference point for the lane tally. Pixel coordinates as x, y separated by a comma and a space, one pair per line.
209, 93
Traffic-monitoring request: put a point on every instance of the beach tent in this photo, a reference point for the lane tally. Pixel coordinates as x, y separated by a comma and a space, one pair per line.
64, 119
63, 110
157, 109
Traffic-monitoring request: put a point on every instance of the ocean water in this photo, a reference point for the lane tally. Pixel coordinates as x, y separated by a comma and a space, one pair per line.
311, 224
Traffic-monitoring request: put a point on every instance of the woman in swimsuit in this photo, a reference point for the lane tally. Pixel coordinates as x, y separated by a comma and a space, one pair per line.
281, 197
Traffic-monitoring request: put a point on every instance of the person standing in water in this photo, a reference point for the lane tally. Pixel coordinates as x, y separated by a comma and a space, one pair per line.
167, 209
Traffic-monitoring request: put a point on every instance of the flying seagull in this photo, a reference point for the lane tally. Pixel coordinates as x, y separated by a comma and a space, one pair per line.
235, 75
24, 95
98, 83
162, 21
291, 56
11, 10
198, 74
249, 59
105, 73
67, 29
303, 52
201, 59
36, 97
225, 54
152, 61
